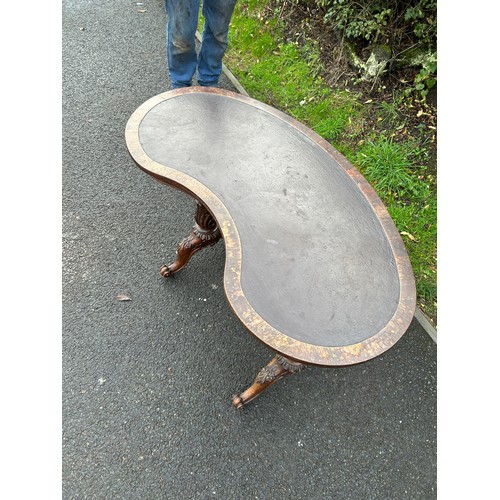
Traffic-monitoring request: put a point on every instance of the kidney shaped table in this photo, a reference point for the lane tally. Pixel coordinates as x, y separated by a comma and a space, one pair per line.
315, 267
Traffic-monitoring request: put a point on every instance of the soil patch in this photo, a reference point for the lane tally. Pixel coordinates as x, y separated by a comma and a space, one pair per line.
305, 24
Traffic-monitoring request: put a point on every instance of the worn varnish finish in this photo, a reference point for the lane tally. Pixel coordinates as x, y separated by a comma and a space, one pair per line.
315, 267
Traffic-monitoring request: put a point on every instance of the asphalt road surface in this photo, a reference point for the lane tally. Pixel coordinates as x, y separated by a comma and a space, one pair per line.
147, 382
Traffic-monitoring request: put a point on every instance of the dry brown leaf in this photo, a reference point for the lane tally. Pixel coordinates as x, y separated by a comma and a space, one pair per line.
412, 238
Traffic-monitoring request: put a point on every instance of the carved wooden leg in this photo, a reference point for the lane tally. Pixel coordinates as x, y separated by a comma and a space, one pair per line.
205, 233
274, 371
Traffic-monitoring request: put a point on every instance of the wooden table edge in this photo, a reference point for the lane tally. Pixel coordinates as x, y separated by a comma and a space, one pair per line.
278, 341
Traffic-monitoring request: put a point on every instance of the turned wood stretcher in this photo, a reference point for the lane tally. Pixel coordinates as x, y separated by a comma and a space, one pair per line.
315, 267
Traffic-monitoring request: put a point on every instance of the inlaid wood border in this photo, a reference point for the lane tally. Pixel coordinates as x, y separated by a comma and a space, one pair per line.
270, 336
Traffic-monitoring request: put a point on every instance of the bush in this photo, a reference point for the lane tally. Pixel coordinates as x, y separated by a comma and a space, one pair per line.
398, 23
407, 27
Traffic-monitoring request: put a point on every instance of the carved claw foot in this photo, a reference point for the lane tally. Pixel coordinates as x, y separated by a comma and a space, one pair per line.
205, 233
274, 371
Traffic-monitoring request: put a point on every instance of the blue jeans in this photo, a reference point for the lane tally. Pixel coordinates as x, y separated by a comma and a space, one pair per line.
181, 45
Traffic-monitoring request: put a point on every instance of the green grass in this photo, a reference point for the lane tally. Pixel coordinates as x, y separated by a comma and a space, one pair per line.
288, 77
389, 168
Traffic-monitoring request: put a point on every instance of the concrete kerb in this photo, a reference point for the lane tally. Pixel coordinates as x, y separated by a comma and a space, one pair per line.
419, 315
234, 81
426, 324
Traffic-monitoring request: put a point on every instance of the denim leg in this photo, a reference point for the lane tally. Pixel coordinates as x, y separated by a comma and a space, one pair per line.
217, 14
181, 45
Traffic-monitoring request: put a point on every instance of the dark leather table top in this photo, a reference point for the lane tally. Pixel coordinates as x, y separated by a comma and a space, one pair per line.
315, 267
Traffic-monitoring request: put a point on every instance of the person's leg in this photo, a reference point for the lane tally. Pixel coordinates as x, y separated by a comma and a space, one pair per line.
217, 14
181, 45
